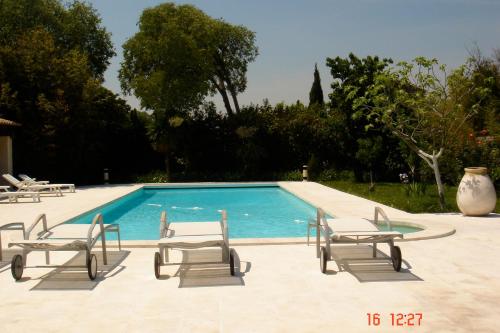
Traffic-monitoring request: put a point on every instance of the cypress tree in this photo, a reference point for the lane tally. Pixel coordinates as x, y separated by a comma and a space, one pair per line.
316, 93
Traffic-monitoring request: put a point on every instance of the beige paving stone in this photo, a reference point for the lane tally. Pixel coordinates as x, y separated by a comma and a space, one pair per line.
453, 281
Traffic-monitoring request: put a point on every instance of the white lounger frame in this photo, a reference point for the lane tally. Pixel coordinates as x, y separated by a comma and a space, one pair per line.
44, 243
23, 186
168, 240
14, 196
32, 181
355, 237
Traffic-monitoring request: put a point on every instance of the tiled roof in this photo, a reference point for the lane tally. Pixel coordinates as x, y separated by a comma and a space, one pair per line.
8, 123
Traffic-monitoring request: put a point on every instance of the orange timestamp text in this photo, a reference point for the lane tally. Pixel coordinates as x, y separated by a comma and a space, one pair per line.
395, 319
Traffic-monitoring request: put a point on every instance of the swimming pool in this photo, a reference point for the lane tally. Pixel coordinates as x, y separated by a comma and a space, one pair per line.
253, 212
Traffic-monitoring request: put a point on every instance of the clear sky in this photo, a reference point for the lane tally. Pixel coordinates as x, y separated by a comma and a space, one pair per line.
294, 35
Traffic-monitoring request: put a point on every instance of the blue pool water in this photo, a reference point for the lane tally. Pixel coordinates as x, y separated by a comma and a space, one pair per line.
253, 212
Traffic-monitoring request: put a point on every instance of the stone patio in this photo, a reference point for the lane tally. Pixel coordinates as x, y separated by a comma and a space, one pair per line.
452, 281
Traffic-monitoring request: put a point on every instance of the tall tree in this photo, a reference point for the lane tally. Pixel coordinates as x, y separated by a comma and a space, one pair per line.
177, 58
316, 93
74, 26
52, 58
234, 49
483, 67
180, 54
351, 78
423, 105
165, 65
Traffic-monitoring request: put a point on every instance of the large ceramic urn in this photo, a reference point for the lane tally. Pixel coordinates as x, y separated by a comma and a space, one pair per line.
476, 194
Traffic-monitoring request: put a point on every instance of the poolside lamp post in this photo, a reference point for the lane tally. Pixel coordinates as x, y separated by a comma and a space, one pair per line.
106, 176
304, 173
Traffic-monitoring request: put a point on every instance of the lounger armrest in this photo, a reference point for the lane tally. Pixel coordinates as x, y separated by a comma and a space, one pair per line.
90, 239
41, 182
322, 229
163, 225
224, 228
26, 183
10, 227
380, 211
14, 226
41, 217
367, 234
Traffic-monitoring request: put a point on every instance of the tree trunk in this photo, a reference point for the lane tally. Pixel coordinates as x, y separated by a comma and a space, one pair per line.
235, 101
227, 104
371, 188
233, 95
432, 161
439, 183
221, 88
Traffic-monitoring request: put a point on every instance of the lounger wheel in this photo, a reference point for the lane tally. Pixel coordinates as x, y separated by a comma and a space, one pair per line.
231, 261
323, 259
92, 266
157, 264
16, 267
396, 258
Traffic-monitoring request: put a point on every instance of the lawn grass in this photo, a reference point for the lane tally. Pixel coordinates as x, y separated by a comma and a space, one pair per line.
395, 195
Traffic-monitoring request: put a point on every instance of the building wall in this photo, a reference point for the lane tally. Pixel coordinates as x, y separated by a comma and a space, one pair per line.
5, 155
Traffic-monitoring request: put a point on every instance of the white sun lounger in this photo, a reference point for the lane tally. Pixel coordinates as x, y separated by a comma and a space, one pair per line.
192, 235
63, 237
28, 180
23, 186
355, 231
14, 196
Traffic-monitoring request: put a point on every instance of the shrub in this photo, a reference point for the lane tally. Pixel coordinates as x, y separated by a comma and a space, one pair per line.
415, 189
347, 175
156, 176
313, 167
290, 176
332, 174
327, 175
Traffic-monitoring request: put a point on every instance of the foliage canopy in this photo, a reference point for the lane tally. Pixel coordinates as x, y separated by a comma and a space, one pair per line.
316, 93
52, 58
180, 54
423, 106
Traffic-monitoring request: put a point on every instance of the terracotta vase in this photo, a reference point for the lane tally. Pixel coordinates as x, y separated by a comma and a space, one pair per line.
476, 194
